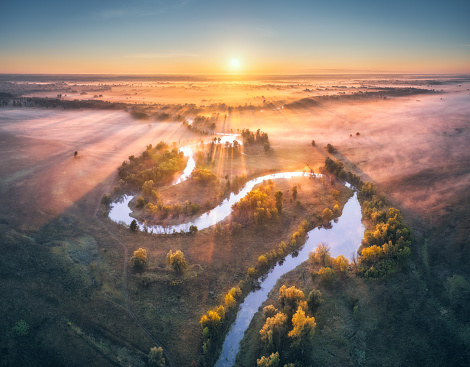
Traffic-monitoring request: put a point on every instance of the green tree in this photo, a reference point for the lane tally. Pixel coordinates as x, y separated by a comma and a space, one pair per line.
314, 300
133, 226
156, 358
176, 261
140, 202
139, 260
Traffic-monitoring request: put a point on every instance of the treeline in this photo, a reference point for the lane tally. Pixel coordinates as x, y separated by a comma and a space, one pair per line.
158, 164
389, 242
258, 137
288, 329
65, 104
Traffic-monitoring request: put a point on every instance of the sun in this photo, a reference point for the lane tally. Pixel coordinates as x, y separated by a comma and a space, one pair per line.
235, 63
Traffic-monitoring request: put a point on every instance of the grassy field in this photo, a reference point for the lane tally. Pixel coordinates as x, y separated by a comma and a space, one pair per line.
65, 266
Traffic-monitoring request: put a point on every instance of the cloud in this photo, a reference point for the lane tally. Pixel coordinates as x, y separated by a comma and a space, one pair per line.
163, 55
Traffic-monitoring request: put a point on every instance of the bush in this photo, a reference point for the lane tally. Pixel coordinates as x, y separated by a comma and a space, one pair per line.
106, 199
21, 328
330, 148
327, 214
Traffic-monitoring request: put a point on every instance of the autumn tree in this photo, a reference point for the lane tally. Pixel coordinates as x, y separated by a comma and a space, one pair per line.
176, 260
156, 358
272, 361
303, 327
341, 264
273, 331
321, 256
327, 214
290, 298
139, 260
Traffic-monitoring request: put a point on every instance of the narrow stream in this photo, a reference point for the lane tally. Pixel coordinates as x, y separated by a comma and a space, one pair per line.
120, 211
343, 238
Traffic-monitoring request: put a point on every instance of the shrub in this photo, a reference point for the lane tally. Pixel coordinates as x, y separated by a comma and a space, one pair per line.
313, 143
21, 328
106, 199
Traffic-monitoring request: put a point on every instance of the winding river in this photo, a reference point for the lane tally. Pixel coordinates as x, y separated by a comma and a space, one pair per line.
344, 238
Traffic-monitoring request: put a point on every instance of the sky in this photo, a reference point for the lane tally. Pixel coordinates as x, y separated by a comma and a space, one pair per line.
238, 36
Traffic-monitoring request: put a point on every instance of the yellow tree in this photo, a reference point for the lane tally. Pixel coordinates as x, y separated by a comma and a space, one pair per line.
139, 260
303, 327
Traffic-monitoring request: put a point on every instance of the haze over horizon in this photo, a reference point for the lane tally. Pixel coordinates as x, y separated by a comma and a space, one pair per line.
257, 37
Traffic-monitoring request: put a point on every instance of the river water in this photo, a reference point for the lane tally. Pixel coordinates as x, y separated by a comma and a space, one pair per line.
343, 238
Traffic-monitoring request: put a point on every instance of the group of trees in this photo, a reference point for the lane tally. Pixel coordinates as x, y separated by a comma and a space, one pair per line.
156, 164
387, 244
257, 206
176, 260
259, 137
214, 324
288, 330
327, 267
389, 241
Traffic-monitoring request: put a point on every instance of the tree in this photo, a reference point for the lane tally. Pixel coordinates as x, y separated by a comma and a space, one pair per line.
213, 319
147, 188
341, 264
314, 300
278, 196
327, 275
327, 214
140, 202
274, 330
133, 225
176, 261
139, 260
302, 327
290, 298
330, 148
75, 154
294, 192
321, 255
272, 361
313, 143
156, 358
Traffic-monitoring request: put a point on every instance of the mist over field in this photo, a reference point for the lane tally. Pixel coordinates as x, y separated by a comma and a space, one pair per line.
74, 293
